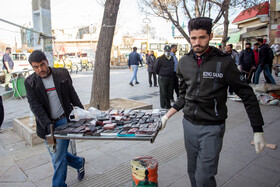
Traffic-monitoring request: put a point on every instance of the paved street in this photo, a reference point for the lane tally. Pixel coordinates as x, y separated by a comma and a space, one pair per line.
108, 162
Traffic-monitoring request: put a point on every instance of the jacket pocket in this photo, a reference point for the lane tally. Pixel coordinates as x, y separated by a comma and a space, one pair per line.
216, 107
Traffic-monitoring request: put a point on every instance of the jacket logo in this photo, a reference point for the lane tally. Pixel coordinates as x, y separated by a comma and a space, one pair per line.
242, 78
211, 75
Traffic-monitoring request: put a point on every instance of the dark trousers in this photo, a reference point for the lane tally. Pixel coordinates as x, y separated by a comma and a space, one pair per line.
203, 144
154, 77
267, 79
175, 86
165, 90
230, 90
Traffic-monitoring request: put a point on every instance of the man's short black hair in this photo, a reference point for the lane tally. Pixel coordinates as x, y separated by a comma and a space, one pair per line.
37, 56
256, 44
134, 48
260, 40
173, 45
7, 48
248, 43
231, 46
203, 23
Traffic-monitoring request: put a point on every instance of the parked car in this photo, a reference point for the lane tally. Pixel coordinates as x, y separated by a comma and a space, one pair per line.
21, 61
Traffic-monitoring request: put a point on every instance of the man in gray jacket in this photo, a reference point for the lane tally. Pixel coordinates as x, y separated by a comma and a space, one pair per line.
204, 76
151, 60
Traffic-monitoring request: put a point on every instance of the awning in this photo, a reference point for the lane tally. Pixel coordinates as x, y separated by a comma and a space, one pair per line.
256, 33
234, 38
256, 30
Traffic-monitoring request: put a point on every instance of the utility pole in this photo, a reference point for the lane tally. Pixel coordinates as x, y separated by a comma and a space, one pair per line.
41, 14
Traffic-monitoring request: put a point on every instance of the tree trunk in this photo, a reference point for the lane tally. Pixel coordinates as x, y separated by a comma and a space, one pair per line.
100, 91
226, 23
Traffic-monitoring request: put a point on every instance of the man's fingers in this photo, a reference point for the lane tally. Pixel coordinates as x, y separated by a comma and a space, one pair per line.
257, 146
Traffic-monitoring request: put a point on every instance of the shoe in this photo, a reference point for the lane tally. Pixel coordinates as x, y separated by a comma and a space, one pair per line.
155, 85
131, 84
137, 82
81, 172
150, 85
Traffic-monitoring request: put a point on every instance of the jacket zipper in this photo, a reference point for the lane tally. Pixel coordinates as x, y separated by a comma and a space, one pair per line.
215, 108
197, 91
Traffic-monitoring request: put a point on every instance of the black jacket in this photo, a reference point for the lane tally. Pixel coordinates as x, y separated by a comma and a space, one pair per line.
134, 59
203, 90
38, 99
247, 58
164, 67
264, 55
151, 60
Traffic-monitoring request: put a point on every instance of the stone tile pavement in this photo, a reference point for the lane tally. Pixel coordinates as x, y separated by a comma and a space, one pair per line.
108, 162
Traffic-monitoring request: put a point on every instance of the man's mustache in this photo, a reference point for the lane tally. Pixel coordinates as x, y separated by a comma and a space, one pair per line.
197, 46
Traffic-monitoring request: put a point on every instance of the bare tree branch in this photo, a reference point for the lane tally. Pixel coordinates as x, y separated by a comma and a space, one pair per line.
187, 10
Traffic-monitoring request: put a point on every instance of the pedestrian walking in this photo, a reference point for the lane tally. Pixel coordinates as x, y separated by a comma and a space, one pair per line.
51, 97
164, 67
204, 75
247, 62
264, 62
175, 78
8, 66
133, 63
151, 60
234, 55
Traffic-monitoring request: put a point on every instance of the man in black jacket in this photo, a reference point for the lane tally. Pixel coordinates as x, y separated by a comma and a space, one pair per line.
151, 60
247, 61
164, 67
204, 76
263, 62
51, 97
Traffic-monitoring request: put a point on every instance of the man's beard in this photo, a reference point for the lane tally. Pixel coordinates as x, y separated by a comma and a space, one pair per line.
200, 48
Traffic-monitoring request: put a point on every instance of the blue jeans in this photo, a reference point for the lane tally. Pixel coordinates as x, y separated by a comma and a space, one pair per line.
62, 158
135, 69
266, 70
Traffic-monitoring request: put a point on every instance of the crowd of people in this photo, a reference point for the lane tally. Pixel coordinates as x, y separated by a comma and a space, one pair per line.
252, 61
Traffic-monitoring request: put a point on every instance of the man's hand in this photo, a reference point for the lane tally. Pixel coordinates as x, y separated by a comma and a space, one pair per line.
259, 142
164, 120
239, 67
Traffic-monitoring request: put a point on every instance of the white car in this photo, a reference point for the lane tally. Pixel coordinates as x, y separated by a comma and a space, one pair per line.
21, 61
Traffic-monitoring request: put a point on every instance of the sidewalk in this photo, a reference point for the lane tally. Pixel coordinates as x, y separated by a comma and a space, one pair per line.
108, 162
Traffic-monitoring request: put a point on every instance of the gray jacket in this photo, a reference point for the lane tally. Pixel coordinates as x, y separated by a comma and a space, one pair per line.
151, 60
